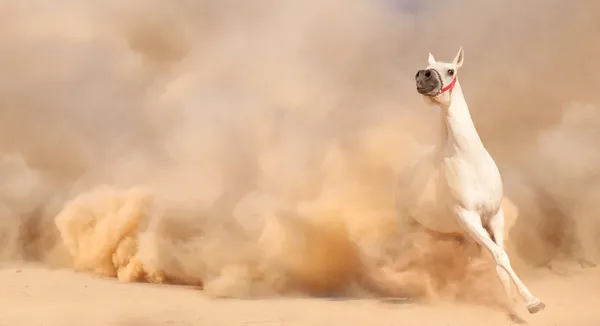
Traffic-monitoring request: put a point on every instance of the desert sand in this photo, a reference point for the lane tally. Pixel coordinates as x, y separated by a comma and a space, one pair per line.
235, 162
38, 296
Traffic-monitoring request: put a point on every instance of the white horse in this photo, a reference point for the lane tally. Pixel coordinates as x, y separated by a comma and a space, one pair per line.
456, 188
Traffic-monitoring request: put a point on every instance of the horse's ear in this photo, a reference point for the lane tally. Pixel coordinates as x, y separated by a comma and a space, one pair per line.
431, 59
460, 58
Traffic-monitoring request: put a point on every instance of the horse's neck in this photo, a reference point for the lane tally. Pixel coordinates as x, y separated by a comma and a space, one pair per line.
458, 130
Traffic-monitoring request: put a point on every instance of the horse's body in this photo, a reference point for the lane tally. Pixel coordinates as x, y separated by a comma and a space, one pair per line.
456, 187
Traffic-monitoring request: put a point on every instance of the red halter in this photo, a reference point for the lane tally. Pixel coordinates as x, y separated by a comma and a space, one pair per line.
449, 87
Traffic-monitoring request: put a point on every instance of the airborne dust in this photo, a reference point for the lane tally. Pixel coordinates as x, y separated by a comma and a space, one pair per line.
251, 146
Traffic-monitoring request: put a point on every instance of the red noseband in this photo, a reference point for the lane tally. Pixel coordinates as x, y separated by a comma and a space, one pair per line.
449, 87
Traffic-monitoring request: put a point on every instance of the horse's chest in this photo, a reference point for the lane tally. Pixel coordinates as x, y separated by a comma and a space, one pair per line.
473, 183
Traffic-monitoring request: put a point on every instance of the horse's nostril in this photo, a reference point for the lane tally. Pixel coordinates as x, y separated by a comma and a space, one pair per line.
427, 73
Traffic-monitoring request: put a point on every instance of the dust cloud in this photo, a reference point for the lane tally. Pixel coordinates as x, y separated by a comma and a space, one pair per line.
251, 147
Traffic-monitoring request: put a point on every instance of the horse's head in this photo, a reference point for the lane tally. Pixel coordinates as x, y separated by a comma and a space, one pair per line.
437, 81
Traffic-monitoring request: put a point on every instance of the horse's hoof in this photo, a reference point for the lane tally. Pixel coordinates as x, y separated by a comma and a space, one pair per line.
536, 307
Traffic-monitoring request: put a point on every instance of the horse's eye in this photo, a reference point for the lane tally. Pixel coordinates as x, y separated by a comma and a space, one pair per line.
451, 72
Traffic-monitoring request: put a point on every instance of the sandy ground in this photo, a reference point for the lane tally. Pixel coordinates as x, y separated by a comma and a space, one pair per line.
187, 137
37, 296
